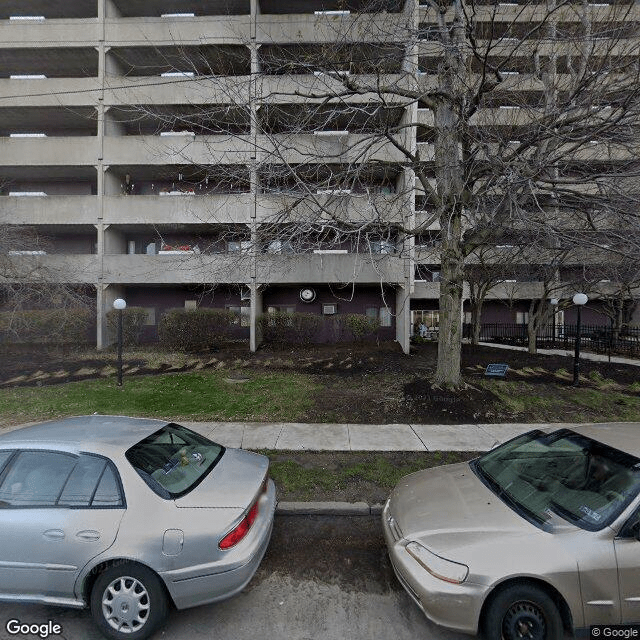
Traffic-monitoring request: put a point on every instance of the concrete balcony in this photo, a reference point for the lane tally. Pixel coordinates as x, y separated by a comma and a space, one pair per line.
294, 88
76, 150
177, 268
154, 150
424, 290
185, 31
36, 34
309, 28
349, 207
49, 92
151, 90
183, 209
70, 269
49, 210
516, 291
303, 148
336, 268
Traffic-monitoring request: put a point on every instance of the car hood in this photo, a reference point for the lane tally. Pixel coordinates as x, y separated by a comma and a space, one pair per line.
449, 509
234, 482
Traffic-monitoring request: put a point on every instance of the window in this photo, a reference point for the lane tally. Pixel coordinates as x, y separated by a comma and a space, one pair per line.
173, 460
92, 482
522, 317
48, 479
385, 317
382, 314
190, 305
239, 246
382, 246
150, 320
243, 315
467, 317
280, 246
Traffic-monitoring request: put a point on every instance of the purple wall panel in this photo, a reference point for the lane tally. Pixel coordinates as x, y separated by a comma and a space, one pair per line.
348, 299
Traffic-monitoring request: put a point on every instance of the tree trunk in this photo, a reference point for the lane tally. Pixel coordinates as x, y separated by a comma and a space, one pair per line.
532, 328
450, 332
476, 326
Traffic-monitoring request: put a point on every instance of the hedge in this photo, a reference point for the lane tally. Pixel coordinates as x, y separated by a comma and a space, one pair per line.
306, 328
195, 329
133, 319
48, 326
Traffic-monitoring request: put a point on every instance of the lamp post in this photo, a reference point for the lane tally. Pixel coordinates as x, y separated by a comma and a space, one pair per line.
554, 305
580, 299
119, 304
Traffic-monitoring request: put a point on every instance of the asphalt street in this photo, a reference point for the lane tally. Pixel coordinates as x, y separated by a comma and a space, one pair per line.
323, 578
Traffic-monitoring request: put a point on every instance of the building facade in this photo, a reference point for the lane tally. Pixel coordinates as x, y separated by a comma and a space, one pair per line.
157, 145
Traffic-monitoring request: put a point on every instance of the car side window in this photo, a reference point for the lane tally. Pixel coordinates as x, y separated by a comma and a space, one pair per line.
36, 478
56, 479
92, 483
108, 491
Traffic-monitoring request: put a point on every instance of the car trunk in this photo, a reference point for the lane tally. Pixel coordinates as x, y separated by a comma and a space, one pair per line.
234, 482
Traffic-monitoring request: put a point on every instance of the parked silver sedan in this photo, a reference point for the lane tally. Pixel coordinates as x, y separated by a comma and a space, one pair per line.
127, 515
538, 537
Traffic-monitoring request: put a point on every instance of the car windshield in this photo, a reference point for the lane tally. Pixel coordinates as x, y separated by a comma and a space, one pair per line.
174, 460
583, 481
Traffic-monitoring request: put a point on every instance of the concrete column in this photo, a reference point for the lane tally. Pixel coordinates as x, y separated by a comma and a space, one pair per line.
110, 9
403, 318
255, 330
106, 294
114, 241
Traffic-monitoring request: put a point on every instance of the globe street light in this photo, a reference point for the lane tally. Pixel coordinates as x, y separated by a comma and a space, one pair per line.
119, 304
580, 299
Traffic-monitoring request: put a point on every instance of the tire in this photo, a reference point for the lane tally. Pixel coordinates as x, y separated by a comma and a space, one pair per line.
522, 612
128, 601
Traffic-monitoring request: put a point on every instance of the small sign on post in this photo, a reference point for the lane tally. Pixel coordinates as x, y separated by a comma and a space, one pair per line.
496, 370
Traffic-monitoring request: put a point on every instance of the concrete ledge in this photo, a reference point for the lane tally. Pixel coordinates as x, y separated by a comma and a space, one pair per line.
323, 509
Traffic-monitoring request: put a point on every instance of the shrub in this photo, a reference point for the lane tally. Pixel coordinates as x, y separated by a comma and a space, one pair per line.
195, 329
58, 326
299, 328
361, 326
133, 319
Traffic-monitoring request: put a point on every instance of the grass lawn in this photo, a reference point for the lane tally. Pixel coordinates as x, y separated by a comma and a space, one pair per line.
350, 476
265, 397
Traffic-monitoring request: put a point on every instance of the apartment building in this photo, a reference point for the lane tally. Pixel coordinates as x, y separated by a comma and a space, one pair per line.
167, 152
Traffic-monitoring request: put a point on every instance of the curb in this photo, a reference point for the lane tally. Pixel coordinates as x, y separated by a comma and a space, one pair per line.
328, 509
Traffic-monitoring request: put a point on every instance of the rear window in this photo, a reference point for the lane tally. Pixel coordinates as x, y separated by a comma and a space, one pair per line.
174, 460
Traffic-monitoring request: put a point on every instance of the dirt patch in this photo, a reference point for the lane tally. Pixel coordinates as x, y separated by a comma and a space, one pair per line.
375, 384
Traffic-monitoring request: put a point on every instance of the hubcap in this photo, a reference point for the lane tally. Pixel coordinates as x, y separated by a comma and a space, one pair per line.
524, 620
125, 604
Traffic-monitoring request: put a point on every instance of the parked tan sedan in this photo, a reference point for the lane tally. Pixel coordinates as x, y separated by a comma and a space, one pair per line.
538, 537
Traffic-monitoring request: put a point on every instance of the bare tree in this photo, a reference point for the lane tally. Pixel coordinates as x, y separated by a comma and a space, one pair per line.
27, 283
489, 118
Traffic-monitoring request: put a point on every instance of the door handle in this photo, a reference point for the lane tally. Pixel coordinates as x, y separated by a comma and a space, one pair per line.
88, 534
53, 534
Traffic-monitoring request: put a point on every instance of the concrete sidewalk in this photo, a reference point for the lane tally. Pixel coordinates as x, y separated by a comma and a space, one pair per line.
361, 437
569, 353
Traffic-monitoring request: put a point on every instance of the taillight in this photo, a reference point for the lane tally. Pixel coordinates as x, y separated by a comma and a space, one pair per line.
235, 535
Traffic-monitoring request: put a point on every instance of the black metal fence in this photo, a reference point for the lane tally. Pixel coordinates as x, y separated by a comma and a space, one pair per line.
597, 338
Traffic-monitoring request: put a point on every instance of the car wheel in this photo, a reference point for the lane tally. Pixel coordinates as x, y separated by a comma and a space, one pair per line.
128, 601
522, 612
